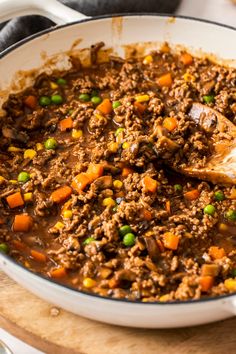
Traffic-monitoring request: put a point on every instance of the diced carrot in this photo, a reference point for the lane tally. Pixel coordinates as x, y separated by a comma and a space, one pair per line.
210, 269
140, 107
206, 283
186, 58
15, 200
165, 80
160, 246
22, 223
95, 171
2, 221
105, 107
19, 245
126, 171
66, 123
61, 194
66, 206
170, 241
31, 101
192, 195
146, 214
81, 181
58, 273
149, 184
170, 123
38, 256
168, 207
216, 252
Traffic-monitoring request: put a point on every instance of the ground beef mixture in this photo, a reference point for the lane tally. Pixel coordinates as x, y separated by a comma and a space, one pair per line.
87, 188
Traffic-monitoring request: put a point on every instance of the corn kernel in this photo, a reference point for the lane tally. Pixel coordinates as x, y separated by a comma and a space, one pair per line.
13, 149
29, 154
76, 134
59, 225
39, 146
2, 179
28, 197
188, 77
164, 298
13, 181
67, 214
89, 283
113, 147
26, 264
98, 116
142, 98
223, 227
53, 85
230, 284
148, 59
117, 184
108, 202
125, 145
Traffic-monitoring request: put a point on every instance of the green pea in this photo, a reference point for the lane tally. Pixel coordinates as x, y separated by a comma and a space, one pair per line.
233, 272
178, 188
116, 104
61, 81
118, 131
114, 209
88, 240
125, 229
50, 144
208, 98
209, 209
23, 177
219, 196
4, 248
44, 101
94, 93
129, 239
56, 99
231, 215
84, 97
96, 100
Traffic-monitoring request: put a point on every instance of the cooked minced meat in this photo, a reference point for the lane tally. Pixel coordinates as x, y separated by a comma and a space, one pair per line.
87, 190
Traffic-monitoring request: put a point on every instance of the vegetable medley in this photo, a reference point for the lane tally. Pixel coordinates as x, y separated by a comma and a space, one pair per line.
88, 196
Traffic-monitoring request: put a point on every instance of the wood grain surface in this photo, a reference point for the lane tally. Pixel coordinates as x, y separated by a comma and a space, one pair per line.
56, 331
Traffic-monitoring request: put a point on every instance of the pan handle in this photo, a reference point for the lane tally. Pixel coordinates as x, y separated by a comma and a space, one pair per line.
52, 9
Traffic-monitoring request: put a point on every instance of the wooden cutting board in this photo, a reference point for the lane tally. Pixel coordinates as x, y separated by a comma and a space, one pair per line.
56, 331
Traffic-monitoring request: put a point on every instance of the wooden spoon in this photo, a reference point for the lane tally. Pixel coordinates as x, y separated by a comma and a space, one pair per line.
221, 165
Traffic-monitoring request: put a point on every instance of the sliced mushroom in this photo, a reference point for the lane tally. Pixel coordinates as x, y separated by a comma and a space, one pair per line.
152, 248
13, 134
122, 279
103, 182
111, 168
165, 147
94, 51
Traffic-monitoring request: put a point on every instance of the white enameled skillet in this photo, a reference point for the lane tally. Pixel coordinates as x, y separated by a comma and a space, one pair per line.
115, 32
